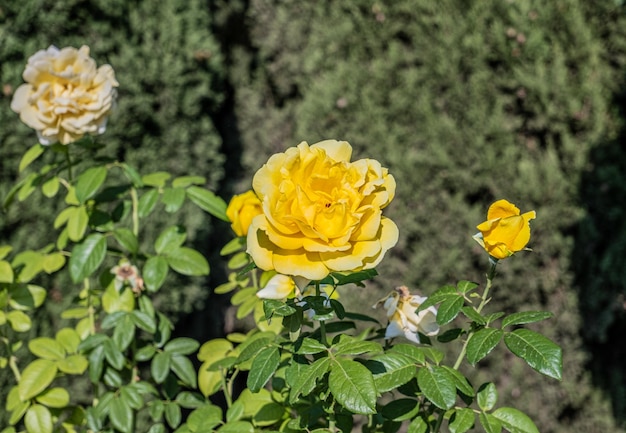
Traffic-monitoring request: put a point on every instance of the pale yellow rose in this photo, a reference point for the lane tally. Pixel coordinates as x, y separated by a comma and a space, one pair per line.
241, 210
321, 212
65, 96
506, 231
401, 308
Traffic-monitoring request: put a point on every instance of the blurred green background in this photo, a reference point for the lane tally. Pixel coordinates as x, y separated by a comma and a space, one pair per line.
466, 102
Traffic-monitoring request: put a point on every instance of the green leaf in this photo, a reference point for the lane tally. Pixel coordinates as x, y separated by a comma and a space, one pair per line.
160, 366
173, 199
185, 181
263, 367
400, 409
172, 414
481, 343
302, 378
113, 354
524, 317
26, 296
538, 351
114, 301
31, 155
184, 369
449, 309
156, 179
466, 286
487, 396
73, 364
36, 377
96, 364
191, 400
472, 314
460, 381
309, 346
514, 420
54, 397
182, 346
19, 321
490, 423
352, 385
274, 307
121, 415
127, 239
351, 346
89, 182
416, 354
437, 385
391, 370
145, 353
208, 201
131, 396
418, 425
53, 262
154, 273
132, 175
233, 246
46, 348
77, 222
50, 187
442, 294
31, 263
124, 332
207, 416
187, 261
87, 257
147, 202
169, 239
461, 420
38, 419
236, 427
69, 339
144, 321
6, 272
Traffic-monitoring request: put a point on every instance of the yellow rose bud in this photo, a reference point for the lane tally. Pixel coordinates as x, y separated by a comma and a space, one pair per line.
65, 96
506, 231
241, 210
321, 212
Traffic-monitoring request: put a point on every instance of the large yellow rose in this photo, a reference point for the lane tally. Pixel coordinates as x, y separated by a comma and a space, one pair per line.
506, 231
241, 210
65, 95
321, 212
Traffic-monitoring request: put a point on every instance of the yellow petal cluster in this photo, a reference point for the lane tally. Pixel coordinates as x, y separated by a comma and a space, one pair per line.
506, 230
241, 210
321, 212
65, 96
401, 309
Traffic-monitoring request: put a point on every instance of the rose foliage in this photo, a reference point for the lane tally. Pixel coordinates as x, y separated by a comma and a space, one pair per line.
312, 227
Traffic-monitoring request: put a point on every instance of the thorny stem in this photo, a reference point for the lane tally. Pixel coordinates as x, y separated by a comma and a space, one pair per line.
483, 301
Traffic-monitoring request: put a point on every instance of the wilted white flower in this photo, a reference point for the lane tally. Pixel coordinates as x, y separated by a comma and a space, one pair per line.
400, 306
125, 273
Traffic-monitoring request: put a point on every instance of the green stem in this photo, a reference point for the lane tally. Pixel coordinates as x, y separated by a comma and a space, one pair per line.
69, 163
323, 339
133, 195
483, 301
90, 308
439, 422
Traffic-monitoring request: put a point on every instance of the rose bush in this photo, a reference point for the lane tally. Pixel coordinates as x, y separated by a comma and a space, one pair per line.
241, 210
65, 96
506, 231
321, 212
